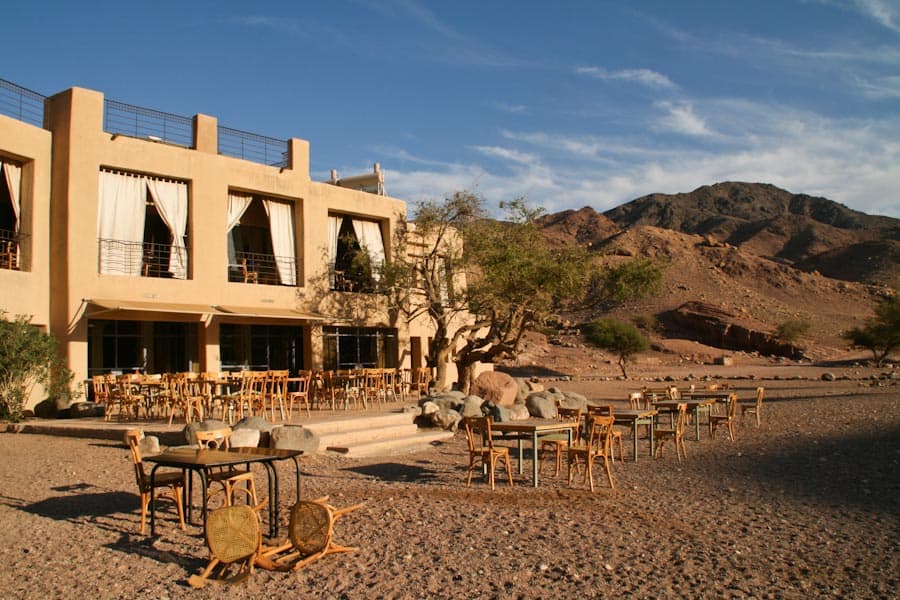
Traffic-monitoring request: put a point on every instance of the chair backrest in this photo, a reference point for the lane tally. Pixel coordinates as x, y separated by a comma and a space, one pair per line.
133, 439
673, 393
478, 426
680, 417
214, 439
731, 406
571, 414
636, 400
303, 380
599, 433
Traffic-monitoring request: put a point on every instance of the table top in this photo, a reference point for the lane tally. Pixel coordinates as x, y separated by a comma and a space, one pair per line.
533, 426
628, 414
716, 394
691, 402
193, 457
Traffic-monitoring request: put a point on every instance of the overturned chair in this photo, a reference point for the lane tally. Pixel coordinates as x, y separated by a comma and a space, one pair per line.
234, 539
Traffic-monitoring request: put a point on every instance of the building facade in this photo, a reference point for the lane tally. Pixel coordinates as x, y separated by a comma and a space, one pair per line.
193, 247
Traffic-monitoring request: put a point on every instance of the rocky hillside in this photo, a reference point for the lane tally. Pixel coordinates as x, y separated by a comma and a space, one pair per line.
745, 258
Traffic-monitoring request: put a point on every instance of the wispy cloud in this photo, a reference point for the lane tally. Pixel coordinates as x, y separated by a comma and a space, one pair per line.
644, 77
515, 109
884, 12
681, 118
507, 154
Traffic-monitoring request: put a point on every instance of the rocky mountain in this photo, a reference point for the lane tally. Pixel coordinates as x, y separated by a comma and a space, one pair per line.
745, 257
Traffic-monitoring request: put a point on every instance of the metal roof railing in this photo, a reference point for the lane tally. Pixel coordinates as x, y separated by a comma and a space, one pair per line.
251, 146
139, 122
21, 103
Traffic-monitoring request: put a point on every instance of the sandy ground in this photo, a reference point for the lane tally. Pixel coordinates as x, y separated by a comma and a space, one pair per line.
807, 506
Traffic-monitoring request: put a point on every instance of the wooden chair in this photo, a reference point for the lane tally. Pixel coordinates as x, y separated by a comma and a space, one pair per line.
597, 446
727, 419
249, 276
166, 484
230, 478
276, 391
234, 539
482, 452
419, 381
755, 407
606, 410
675, 433
300, 394
310, 535
189, 398
559, 442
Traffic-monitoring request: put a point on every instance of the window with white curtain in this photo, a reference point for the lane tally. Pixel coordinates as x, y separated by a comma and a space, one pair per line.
142, 225
356, 253
262, 239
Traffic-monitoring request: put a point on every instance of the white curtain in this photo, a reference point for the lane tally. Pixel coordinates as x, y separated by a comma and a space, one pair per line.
13, 175
369, 235
281, 227
334, 227
120, 217
237, 205
171, 199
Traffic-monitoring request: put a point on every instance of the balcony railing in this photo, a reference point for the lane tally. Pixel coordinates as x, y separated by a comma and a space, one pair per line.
250, 146
144, 259
135, 121
348, 281
9, 249
21, 103
258, 267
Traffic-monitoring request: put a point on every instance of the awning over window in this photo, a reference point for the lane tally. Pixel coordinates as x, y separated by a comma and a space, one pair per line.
100, 307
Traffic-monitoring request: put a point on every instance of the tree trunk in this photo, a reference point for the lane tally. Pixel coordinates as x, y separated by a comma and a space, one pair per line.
622, 366
466, 375
441, 360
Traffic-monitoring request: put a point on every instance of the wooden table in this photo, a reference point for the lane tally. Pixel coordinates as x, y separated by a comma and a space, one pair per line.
635, 417
523, 429
697, 402
202, 460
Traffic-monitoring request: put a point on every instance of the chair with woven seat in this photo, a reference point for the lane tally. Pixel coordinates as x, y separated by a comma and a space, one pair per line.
231, 479
754, 407
234, 539
727, 419
310, 536
166, 484
482, 451
607, 410
559, 442
661, 435
596, 446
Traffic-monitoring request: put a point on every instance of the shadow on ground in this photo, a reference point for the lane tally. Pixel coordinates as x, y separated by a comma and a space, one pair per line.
397, 472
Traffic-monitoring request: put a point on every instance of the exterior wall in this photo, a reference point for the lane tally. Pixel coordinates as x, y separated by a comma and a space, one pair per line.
81, 148
26, 291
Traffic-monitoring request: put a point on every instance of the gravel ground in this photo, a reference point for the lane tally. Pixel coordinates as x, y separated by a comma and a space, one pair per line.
806, 506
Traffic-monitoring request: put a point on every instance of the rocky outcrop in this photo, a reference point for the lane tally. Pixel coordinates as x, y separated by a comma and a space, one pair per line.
496, 387
713, 326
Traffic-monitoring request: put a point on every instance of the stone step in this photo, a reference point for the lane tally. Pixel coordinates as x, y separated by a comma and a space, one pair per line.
364, 435
394, 446
358, 421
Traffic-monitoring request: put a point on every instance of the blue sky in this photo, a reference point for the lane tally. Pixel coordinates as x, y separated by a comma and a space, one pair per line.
569, 104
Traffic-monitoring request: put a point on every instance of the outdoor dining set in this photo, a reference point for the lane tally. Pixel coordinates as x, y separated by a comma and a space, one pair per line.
270, 394
586, 437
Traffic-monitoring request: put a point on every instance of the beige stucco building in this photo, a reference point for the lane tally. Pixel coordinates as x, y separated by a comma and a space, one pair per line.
192, 247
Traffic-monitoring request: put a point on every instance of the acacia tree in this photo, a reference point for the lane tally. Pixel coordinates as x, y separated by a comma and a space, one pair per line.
617, 336
880, 334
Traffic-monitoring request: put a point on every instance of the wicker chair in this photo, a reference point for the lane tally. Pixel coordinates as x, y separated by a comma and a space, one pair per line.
235, 541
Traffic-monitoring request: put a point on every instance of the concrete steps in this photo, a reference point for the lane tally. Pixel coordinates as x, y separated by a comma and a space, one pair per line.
376, 435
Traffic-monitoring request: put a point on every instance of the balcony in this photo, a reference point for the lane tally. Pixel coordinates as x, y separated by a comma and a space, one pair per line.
262, 268
143, 259
21, 103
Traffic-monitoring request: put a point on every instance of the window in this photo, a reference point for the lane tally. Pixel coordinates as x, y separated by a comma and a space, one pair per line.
142, 226
356, 253
261, 347
359, 347
147, 346
10, 214
261, 241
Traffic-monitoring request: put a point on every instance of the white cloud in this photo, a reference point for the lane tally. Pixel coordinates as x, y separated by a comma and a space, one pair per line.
644, 77
507, 154
884, 88
516, 109
681, 118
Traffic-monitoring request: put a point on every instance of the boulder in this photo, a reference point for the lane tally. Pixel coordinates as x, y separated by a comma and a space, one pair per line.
519, 412
496, 387
541, 405
244, 438
827, 376
498, 413
447, 419
471, 406
81, 410
429, 408
256, 424
190, 430
149, 445
573, 400
447, 400
293, 437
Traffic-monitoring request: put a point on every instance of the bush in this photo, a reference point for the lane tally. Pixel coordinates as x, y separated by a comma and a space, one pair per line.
28, 358
791, 331
619, 337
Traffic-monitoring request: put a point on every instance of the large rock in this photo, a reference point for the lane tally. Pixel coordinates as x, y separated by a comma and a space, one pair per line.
190, 430
257, 424
498, 413
472, 406
244, 438
574, 400
446, 418
498, 388
541, 405
292, 437
519, 412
